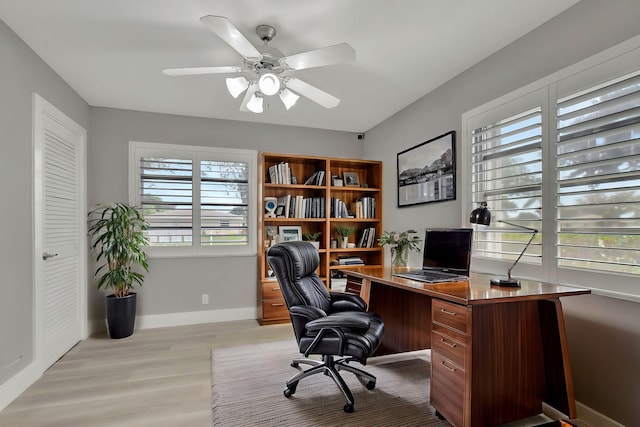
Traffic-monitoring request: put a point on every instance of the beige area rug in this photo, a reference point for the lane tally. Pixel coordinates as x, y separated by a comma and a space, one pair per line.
248, 384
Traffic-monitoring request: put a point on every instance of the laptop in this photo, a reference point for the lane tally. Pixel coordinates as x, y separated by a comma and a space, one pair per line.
446, 256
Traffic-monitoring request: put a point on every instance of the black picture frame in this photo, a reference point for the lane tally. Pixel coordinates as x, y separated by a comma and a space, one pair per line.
427, 172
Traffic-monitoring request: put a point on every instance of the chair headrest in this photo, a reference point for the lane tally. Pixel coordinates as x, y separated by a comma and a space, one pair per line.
304, 257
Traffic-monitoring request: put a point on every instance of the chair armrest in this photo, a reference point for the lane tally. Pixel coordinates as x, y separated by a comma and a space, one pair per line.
338, 322
341, 301
307, 311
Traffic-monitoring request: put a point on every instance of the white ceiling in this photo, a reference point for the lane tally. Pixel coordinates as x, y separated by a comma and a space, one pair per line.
112, 52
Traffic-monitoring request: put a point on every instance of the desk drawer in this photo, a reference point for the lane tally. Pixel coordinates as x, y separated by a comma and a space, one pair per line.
271, 290
274, 309
447, 389
354, 285
452, 349
452, 315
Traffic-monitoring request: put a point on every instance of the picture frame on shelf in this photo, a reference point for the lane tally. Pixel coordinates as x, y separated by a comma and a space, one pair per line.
426, 172
289, 233
351, 179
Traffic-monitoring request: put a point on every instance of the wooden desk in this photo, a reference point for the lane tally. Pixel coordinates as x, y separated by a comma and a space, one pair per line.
497, 352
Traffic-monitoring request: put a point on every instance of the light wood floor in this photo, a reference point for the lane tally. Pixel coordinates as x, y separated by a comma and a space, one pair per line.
157, 377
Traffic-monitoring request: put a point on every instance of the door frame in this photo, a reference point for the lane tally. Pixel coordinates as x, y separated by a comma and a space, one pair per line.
42, 108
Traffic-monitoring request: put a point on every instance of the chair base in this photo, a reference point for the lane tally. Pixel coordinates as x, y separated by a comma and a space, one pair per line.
330, 367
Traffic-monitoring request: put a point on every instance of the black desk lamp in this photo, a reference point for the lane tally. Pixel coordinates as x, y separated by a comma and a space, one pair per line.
482, 216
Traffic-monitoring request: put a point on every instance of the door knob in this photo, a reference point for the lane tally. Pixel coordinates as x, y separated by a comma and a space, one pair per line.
47, 255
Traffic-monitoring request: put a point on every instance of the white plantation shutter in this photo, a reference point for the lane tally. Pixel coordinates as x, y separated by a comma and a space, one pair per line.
166, 198
195, 199
598, 178
506, 162
224, 195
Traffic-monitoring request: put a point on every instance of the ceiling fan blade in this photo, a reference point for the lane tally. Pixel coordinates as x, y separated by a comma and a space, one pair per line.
312, 92
224, 29
338, 53
253, 88
193, 71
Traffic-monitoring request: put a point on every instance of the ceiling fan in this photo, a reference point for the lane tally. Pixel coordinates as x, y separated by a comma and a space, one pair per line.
270, 70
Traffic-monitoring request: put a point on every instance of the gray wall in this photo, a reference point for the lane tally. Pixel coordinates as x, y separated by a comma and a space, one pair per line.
21, 73
604, 334
175, 285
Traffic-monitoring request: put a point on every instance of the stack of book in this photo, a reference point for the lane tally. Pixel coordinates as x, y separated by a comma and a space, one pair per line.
300, 207
339, 209
365, 207
350, 260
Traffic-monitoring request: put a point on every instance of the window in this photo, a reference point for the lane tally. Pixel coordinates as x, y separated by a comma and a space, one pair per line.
506, 161
197, 200
562, 156
598, 178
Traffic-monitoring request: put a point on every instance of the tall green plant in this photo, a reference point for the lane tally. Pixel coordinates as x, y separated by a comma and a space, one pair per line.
117, 238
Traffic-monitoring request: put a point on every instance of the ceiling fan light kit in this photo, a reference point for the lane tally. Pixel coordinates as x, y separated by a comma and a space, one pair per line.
237, 85
271, 68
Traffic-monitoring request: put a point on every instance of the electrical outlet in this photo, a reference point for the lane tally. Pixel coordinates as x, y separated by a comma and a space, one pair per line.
205, 299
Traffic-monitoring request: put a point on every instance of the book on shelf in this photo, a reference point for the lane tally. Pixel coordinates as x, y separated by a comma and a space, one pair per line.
316, 178
367, 238
339, 209
281, 174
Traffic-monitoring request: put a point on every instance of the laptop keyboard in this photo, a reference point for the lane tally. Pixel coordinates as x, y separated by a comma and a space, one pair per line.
431, 276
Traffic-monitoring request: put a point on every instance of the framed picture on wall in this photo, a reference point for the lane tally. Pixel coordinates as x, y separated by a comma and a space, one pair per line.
290, 232
427, 173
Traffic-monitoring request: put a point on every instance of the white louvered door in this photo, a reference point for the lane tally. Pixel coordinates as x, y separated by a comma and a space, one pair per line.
59, 160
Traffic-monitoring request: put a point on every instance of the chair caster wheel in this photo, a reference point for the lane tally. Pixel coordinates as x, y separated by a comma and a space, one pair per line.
290, 390
371, 385
294, 365
348, 408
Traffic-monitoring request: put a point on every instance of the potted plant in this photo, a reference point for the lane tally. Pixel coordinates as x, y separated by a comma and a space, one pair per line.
344, 232
313, 237
117, 238
401, 243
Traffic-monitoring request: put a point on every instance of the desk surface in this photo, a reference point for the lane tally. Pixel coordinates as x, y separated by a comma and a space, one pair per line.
475, 291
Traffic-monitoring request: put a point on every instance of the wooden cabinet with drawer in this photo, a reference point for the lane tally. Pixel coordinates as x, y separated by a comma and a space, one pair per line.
450, 330
274, 309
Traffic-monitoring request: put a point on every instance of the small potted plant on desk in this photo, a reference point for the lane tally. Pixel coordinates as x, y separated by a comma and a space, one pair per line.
312, 237
344, 232
117, 238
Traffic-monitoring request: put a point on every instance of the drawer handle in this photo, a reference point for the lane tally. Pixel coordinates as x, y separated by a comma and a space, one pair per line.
277, 305
448, 367
452, 345
451, 313
275, 289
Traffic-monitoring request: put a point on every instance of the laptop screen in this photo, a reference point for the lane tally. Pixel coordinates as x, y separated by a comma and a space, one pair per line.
447, 249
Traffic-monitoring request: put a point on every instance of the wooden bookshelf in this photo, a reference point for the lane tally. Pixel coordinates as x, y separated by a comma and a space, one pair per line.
289, 181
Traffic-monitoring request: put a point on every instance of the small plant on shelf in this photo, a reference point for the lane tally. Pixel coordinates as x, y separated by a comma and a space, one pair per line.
345, 231
312, 236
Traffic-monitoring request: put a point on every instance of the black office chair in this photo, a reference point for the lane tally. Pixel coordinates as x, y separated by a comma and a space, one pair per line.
325, 323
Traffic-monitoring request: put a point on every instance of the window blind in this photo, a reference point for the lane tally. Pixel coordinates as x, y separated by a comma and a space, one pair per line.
506, 162
166, 195
598, 177
224, 199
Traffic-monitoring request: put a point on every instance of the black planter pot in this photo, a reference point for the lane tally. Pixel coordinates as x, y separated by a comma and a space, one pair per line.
121, 315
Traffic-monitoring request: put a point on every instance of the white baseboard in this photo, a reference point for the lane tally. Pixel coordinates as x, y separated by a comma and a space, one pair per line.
594, 418
195, 317
16, 385
185, 318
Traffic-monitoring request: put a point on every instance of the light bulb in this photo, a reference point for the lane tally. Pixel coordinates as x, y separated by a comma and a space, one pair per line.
288, 98
269, 84
237, 85
255, 104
